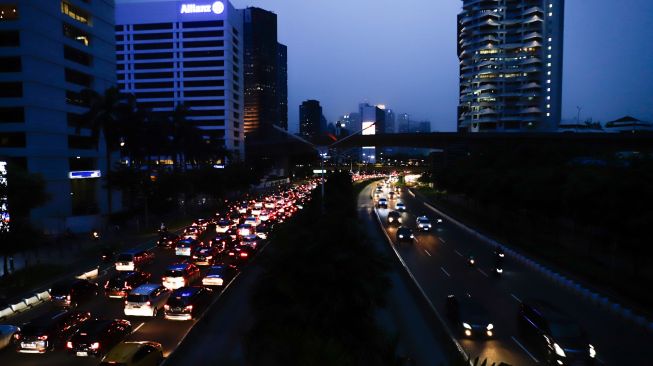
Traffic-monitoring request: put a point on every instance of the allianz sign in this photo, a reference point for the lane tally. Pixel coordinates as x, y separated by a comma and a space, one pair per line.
217, 8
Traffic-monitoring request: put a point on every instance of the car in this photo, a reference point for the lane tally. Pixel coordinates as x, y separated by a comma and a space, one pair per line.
251, 241
187, 303
7, 334
423, 223
122, 283
554, 335
142, 353
217, 275
270, 205
48, 331
394, 218
97, 336
400, 206
192, 232
382, 203
185, 247
71, 293
240, 253
264, 216
201, 223
205, 256
222, 226
167, 239
263, 230
391, 195
245, 229
180, 275
469, 317
252, 221
133, 259
404, 234
146, 300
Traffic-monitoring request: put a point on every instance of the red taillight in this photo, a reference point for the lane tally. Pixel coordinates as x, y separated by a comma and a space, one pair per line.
189, 308
16, 336
95, 345
243, 254
43, 338
69, 344
148, 304
68, 297
164, 278
106, 285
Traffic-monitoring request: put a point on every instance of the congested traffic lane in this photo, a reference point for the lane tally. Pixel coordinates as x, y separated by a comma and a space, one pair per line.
167, 332
448, 246
439, 281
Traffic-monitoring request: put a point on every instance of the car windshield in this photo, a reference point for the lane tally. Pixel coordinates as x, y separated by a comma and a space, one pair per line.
184, 244
60, 289
174, 273
136, 298
178, 301
117, 281
423, 220
125, 258
565, 330
215, 271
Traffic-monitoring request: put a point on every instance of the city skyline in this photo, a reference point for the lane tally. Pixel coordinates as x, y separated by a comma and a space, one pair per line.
346, 58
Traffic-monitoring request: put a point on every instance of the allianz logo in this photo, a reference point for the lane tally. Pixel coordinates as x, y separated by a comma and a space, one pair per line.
217, 8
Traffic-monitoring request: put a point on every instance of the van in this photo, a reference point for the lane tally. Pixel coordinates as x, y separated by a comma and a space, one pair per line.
146, 300
180, 275
133, 259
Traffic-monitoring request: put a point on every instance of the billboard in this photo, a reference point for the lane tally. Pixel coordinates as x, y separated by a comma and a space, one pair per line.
369, 128
4, 205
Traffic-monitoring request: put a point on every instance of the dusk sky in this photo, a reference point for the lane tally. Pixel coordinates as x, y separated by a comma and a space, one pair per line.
403, 54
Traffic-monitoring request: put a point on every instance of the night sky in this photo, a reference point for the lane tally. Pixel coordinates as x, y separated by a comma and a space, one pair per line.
403, 54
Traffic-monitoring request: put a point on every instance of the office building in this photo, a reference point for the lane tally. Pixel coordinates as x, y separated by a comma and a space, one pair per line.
265, 65
390, 119
49, 52
420, 127
282, 86
373, 123
510, 54
170, 52
310, 119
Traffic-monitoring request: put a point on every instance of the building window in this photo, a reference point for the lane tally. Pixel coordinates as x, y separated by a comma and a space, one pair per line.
217, 43
153, 46
154, 75
204, 103
9, 38
153, 65
75, 13
12, 139
151, 36
161, 94
201, 83
11, 90
10, 64
204, 73
81, 142
76, 34
75, 55
207, 24
74, 120
153, 56
204, 93
197, 54
12, 114
204, 34
79, 78
152, 26
75, 98
208, 63
8, 12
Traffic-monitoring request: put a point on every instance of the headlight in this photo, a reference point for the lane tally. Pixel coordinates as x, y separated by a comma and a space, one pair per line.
467, 326
401, 236
592, 352
439, 220
490, 326
559, 351
391, 219
412, 236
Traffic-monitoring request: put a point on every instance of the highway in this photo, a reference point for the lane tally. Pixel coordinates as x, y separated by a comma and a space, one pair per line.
437, 260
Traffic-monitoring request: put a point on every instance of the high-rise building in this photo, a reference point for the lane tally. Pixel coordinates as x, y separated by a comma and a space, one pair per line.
403, 123
170, 52
262, 69
282, 86
510, 54
310, 118
390, 121
50, 52
421, 127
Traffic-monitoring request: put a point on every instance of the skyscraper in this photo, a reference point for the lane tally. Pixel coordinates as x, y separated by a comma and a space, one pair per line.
282, 86
310, 118
185, 54
52, 50
403, 123
390, 121
510, 54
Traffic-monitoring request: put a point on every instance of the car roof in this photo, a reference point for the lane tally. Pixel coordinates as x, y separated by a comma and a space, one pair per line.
185, 292
145, 289
423, 217
94, 326
178, 266
124, 351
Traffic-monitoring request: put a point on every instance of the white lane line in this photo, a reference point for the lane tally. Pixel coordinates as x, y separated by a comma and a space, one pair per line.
411, 193
427, 252
445, 271
457, 252
484, 274
525, 350
138, 327
442, 240
515, 297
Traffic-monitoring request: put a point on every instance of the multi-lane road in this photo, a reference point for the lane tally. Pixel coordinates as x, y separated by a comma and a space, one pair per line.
438, 261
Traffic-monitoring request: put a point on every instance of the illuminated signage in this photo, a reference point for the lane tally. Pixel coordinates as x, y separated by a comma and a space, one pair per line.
217, 8
319, 171
84, 174
4, 205
369, 128
218, 166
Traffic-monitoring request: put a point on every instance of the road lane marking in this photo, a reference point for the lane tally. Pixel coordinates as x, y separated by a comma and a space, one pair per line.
442, 240
445, 271
525, 350
411, 193
427, 252
138, 327
484, 274
515, 297
457, 252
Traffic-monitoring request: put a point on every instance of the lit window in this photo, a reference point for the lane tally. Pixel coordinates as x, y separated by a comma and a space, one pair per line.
549, 47
548, 97
8, 12
548, 56
548, 114
75, 13
548, 106
550, 14
550, 39
548, 90
548, 81
548, 73
548, 65
550, 5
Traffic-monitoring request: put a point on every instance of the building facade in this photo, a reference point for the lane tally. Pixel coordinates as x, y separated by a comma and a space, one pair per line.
510, 54
282, 86
170, 52
49, 52
310, 118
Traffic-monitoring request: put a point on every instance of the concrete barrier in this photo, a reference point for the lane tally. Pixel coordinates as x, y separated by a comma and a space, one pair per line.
31, 301
90, 274
43, 296
18, 307
6, 312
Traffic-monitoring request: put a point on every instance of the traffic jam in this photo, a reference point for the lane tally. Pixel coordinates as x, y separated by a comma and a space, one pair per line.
150, 290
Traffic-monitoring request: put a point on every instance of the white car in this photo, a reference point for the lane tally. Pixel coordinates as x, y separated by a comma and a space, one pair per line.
270, 205
253, 221
146, 300
264, 216
180, 275
423, 223
6, 333
222, 226
215, 276
400, 206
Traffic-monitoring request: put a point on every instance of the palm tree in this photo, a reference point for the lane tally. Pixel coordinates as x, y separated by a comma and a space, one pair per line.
106, 118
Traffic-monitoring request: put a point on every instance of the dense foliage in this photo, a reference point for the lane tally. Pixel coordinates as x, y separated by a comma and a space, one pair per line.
315, 303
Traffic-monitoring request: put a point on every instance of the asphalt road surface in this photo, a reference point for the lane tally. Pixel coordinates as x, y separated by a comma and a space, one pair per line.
438, 260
